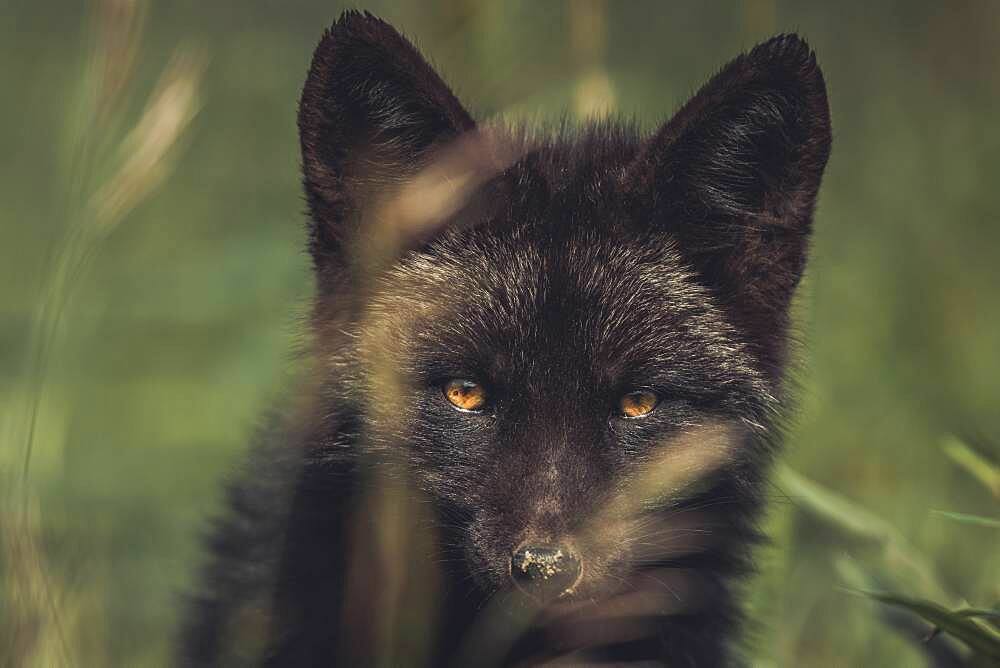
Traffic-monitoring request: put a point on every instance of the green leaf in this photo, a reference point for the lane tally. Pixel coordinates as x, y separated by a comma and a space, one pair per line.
981, 468
832, 507
855, 576
978, 612
965, 518
898, 555
961, 624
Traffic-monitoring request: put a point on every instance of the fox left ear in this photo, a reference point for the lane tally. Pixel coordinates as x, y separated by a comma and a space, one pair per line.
734, 175
372, 115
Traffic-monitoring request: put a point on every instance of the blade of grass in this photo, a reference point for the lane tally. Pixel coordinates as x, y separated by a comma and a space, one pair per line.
982, 613
961, 624
898, 554
976, 464
965, 518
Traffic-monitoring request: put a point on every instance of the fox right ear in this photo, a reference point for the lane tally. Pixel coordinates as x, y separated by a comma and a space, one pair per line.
734, 175
371, 113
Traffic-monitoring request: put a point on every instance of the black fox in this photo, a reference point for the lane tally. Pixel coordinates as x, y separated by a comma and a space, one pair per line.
545, 379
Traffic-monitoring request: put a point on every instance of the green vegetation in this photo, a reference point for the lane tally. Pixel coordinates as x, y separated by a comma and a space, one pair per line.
890, 560
151, 281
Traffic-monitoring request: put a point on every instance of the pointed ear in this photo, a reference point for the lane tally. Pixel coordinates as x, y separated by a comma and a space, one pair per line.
735, 173
372, 112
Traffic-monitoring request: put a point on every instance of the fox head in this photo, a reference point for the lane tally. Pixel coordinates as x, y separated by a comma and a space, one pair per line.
573, 343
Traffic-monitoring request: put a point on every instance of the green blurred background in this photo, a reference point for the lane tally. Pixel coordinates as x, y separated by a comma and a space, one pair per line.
169, 331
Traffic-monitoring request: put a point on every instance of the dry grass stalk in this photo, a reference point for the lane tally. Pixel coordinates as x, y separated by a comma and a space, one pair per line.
38, 608
146, 150
593, 93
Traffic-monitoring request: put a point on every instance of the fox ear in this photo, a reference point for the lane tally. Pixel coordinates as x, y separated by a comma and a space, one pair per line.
735, 173
371, 113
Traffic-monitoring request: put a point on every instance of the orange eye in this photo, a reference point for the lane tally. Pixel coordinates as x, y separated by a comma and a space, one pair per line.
465, 395
638, 404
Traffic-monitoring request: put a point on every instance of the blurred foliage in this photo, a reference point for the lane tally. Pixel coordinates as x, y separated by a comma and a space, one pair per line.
963, 623
173, 328
900, 565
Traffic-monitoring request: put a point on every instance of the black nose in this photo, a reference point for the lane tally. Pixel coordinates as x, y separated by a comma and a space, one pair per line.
544, 571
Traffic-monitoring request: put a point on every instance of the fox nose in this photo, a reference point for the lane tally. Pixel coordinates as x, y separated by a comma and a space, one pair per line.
545, 572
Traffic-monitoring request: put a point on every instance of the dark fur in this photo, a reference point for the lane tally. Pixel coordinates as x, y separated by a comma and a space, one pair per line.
593, 262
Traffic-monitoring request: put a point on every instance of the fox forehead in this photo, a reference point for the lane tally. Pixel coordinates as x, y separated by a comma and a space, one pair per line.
586, 306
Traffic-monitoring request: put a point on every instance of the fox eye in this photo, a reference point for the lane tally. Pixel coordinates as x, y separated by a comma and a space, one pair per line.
465, 395
637, 404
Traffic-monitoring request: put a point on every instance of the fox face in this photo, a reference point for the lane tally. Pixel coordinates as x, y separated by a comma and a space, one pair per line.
580, 311
567, 347
559, 378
